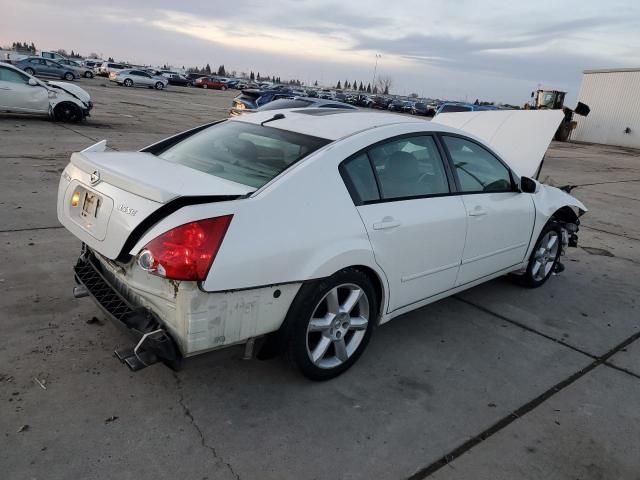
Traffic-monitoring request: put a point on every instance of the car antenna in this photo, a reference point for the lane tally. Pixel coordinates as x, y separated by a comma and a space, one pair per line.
277, 116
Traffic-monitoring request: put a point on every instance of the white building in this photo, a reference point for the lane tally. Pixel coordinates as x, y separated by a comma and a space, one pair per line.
614, 98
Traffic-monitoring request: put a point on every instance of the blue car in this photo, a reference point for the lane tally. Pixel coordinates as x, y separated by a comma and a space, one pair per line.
449, 107
43, 67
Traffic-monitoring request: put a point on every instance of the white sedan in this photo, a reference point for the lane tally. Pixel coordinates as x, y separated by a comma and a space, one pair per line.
307, 229
23, 93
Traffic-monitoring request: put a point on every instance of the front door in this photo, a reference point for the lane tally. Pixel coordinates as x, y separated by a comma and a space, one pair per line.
17, 95
499, 218
415, 226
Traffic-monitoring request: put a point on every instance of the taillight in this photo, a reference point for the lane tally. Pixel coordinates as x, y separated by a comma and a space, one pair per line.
186, 252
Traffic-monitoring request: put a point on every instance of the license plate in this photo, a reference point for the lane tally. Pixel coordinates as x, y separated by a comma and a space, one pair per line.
90, 205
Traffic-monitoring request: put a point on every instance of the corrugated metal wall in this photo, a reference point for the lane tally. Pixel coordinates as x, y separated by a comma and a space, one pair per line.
614, 99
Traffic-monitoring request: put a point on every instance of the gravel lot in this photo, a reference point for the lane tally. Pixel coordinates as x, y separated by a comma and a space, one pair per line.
499, 382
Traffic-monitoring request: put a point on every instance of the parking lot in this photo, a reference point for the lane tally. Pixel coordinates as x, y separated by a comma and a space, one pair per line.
499, 382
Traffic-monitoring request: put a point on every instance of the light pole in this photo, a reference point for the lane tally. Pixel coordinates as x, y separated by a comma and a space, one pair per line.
375, 68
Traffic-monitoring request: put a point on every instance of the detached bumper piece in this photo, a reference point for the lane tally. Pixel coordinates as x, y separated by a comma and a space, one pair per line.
153, 343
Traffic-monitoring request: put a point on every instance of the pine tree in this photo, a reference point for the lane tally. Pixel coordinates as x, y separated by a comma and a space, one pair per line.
207, 69
221, 71
338, 86
315, 84
368, 88
375, 90
252, 76
386, 90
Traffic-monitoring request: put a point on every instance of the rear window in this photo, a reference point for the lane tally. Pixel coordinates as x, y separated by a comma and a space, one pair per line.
242, 152
284, 103
455, 108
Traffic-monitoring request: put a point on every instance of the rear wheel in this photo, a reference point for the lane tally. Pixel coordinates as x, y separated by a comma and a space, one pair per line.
30, 71
67, 112
223, 88
128, 82
159, 85
332, 321
205, 86
545, 256
88, 74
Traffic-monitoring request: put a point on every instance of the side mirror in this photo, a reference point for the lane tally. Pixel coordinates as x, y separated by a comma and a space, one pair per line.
32, 82
528, 185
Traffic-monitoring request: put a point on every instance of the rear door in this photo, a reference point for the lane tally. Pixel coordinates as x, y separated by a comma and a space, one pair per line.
402, 189
499, 217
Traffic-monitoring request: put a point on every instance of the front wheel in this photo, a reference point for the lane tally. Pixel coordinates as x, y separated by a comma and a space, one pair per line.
223, 88
69, 76
205, 86
332, 321
159, 86
88, 75
545, 256
30, 71
128, 82
68, 112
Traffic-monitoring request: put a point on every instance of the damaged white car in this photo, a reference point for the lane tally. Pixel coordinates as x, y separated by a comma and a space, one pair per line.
307, 229
23, 93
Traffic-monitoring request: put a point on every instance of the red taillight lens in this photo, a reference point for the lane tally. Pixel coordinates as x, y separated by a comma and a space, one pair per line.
187, 251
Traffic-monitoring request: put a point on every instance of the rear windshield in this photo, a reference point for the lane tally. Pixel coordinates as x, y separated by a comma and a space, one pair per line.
455, 108
242, 152
285, 103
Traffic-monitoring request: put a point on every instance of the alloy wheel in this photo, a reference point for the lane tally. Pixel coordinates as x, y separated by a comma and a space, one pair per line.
545, 255
337, 326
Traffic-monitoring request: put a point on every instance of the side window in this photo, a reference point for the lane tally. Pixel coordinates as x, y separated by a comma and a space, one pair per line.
477, 169
358, 176
8, 75
409, 167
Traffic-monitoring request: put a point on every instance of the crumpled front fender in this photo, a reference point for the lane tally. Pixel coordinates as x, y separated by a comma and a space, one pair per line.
549, 200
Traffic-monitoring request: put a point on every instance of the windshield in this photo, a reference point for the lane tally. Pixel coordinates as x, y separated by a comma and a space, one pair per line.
242, 152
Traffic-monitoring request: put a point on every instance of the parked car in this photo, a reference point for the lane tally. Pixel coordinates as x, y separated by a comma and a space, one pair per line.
107, 68
92, 63
210, 82
179, 80
421, 108
252, 99
138, 78
451, 107
194, 76
399, 106
55, 56
308, 230
83, 71
41, 67
380, 102
295, 102
23, 93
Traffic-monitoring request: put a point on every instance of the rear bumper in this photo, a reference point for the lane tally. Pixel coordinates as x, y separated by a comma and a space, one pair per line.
138, 322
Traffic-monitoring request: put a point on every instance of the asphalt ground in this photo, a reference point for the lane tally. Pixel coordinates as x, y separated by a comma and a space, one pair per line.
499, 382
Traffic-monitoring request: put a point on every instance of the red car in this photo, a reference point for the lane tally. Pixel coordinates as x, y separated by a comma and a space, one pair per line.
210, 82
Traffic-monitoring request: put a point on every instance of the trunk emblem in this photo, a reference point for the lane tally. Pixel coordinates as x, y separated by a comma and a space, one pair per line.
95, 177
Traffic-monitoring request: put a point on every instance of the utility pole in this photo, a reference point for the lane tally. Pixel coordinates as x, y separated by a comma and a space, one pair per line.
375, 69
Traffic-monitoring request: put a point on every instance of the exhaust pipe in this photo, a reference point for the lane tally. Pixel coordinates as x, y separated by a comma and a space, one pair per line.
80, 291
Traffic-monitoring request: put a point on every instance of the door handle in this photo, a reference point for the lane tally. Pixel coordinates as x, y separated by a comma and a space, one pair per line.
478, 211
386, 223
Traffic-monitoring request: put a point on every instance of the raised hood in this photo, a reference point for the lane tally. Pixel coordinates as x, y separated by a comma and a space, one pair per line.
153, 178
520, 137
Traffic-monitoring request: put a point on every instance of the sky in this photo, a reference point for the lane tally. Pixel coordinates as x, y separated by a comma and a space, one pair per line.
454, 49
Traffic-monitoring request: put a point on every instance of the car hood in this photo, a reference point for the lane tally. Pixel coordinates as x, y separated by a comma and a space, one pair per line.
520, 137
74, 90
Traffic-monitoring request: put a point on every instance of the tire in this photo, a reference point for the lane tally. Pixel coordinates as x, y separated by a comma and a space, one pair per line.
88, 75
30, 71
159, 85
223, 88
68, 112
545, 256
128, 82
205, 86
69, 77
330, 323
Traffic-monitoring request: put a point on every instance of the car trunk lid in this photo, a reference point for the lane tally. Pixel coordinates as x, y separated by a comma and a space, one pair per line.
106, 197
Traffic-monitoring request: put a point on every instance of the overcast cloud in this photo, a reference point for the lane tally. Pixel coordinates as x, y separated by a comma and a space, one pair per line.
457, 49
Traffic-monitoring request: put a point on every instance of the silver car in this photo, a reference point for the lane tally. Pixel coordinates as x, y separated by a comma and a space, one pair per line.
83, 71
138, 78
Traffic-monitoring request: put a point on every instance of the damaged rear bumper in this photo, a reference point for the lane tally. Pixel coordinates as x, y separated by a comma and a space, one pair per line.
152, 342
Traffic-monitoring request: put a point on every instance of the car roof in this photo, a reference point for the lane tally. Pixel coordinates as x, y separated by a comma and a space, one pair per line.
336, 124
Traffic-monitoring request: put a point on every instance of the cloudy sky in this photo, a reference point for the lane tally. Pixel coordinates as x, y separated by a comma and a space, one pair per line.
456, 49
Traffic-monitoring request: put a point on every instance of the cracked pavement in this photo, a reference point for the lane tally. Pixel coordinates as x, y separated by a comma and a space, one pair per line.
499, 382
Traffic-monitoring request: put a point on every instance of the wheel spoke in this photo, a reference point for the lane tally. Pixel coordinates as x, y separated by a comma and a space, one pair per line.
359, 323
352, 300
332, 301
536, 268
552, 241
321, 324
321, 349
341, 349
